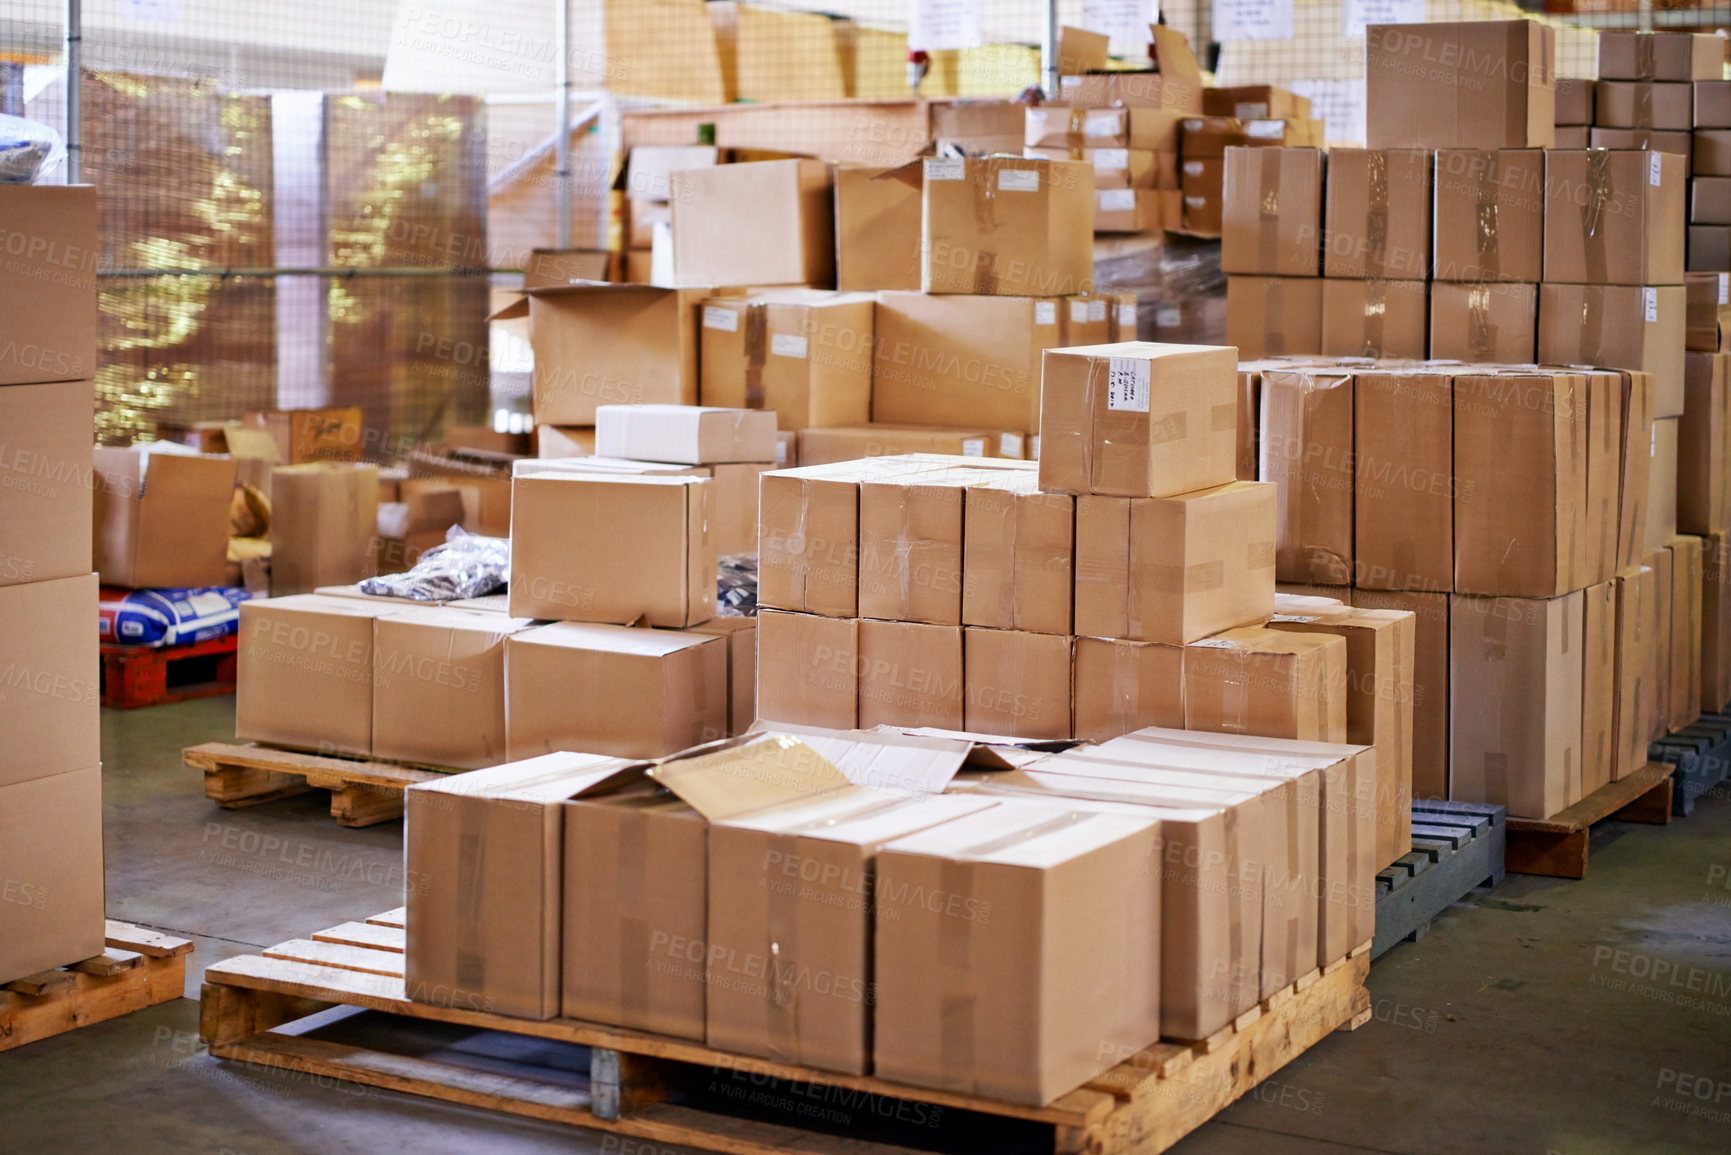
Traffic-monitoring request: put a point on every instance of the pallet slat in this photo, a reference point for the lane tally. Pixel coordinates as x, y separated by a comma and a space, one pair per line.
117, 982
1557, 846
363, 792
364, 934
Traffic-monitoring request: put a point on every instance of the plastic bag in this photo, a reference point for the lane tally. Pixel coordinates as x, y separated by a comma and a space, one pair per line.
169, 617
466, 566
29, 150
736, 586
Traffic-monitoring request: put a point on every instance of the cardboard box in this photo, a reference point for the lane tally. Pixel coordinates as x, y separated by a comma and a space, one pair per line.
1016, 683
161, 518
1598, 686
439, 686
1271, 215
629, 693
1661, 524
1430, 686
650, 168
808, 669
1709, 248
1712, 103
1574, 101
685, 434
1486, 322
1073, 126
1378, 216
852, 443
659, 564
733, 517
1075, 992
1659, 660
1255, 102
1632, 670
323, 521
786, 448
1117, 169
1680, 56
1597, 541
45, 502
910, 545
1307, 453
1477, 84
1253, 680
1085, 321
52, 678
1203, 183
1018, 555
803, 353
1703, 499
741, 635
1574, 136
1175, 569
808, 539
979, 127
1515, 702
571, 266
1711, 152
1636, 489
1614, 217
484, 484
1006, 227
1208, 137
485, 932
1121, 686
1126, 210
1655, 139
961, 361
1706, 296
306, 672
1618, 326
48, 331
1669, 106
1683, 686
877, 228
1138, 419
1273, 316
1715, 622
303, 435
1490, 214
764, 223
1375, 318
51, 867
910, 675
1404, 487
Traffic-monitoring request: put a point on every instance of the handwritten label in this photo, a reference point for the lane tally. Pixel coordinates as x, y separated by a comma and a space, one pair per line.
942, 25
1127, 384
1650, 304
1357, 13
1252, 20
714, 318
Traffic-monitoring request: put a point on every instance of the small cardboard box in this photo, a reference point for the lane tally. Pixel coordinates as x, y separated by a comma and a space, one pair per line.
1017, 683
1137, 419
486, 848
684, 434
808, 539
1085, 320
1659, 659
1574, 101
1175, 569
805, 354
741, 635
1712, 104
1633, 670
1709, 248
1271, 215
1668, 106
161, 518
1378, 217
1683, 686
1268, 683
962, 361
1614, 217
630, 693
1387, 319
733, 518
53, 681
45, 502
1202, 181
1490, 215
1707, 296
1577, 136
598, 548
1307, 453
305, 435
1474, 84
1654, 139
854, 442
48, 284
762, 223
51, 872
1007, 226
1072, 944
1403, 480
808, 669
439, 685
650, 168
1122, 686
1626, 326
1598, 686
910, 675
1711, 152
1255, 102
1703, 500
1710, 200
560, 441
877, 228
306, 672
1128, 210
1677, 56
1430, 682
1116, 169
1515, 701
910, 545
1273, 316
1715, 622
1018, 555
324, 518
1494, 322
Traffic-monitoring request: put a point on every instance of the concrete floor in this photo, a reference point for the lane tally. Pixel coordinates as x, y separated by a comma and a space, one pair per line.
1528, 1021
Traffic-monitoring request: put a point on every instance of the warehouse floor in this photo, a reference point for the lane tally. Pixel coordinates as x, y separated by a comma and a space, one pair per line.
1528, 1021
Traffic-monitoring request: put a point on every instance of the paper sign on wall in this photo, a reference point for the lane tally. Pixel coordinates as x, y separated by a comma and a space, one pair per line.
162, 11
1355, 14
1252, 20
1125, 21
940, 25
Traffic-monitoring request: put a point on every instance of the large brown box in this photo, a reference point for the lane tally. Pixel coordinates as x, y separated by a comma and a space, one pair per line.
1074, 992
1683, 686
51, 872
1712, 103
762, 223
1655, 139
1273, 316
1175, 569
1271, 214
1620, 327
1711, 155
1266, 683
1120, 686
808, 537
804, 353
1007, 226
1515, 703
45, 501
1637, 615
1614, 217
598, 548
1492, 322
877, 228
1715, 622
1430, 688
1138, 419
1375, 318
1707, 296
439, 685
48, 284
685, 434
302, 435
961, 361
910, 545
323, 520
1477, 84
808, 669
161, 519
1017, 683
306, 672
1403, 479
1668, 106
1680, 56
1574, 100
1378, 218
1598, 686
1018, 555
1307, 453
615, 690
910, 675
1703, 473
1490, 214
52, 678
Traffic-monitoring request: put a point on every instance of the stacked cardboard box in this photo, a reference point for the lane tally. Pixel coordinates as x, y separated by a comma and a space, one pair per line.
51, 877
1204, 141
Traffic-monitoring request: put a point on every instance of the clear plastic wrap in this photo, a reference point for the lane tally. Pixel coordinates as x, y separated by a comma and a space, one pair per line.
736, 586
466, 566
29, 150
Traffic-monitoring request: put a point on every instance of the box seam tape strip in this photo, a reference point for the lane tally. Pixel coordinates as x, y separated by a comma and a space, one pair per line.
1375, 308
986, 223
1489, 243
756, 352
1099, 375
1592, 322
1376, 215
1644, 62
1481, 333
1598, 163
1268, 209
1643, 105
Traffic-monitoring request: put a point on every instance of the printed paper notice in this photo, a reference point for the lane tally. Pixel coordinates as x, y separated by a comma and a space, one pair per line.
1125, 21
973, 447
939, 25
945, 168
1357, 13
1127, 384
1018, 180
715, 318
1252, 20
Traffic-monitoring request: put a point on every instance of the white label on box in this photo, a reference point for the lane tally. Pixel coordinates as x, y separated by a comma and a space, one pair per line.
1127, 317
1251, 110
780, 451
1069, 82
1169, 317
1216, 644
787, 345
1650, 304
714, 318
1266, 130
1292, 617
1045, 312
1034, 447
1117, 200
1010, 445
1111, 159
1127, 383
1108, 124
973, 447
1358, 13
1096, 310
1079, 311
1725, 288
946, 168
1653, 175
1018, 180
1193, 167
1252, 20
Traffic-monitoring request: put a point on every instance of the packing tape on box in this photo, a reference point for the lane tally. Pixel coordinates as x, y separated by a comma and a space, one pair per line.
956, 1009
1268, 210
986, 224
1489, 246
1077, 126
1375, 309
1643, 106
635, 963
471, 899
1274, 317
1592, 322
1645, 68
1598, 165
756, 352
1099, 376
782, 957
1376, 213
1481, 332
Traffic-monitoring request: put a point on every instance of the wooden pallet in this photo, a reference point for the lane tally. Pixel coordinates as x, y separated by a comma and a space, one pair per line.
1700, 753
363, 792
134, 676
275, 1009
140, 968
1456, 848
1557, 846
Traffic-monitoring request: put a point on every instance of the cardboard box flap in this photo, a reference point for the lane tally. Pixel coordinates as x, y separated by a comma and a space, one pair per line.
887, 759
992, 751
736, 777
1081, 50
1275, 753
544, 780
243, 442
1027, 833
517, 308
